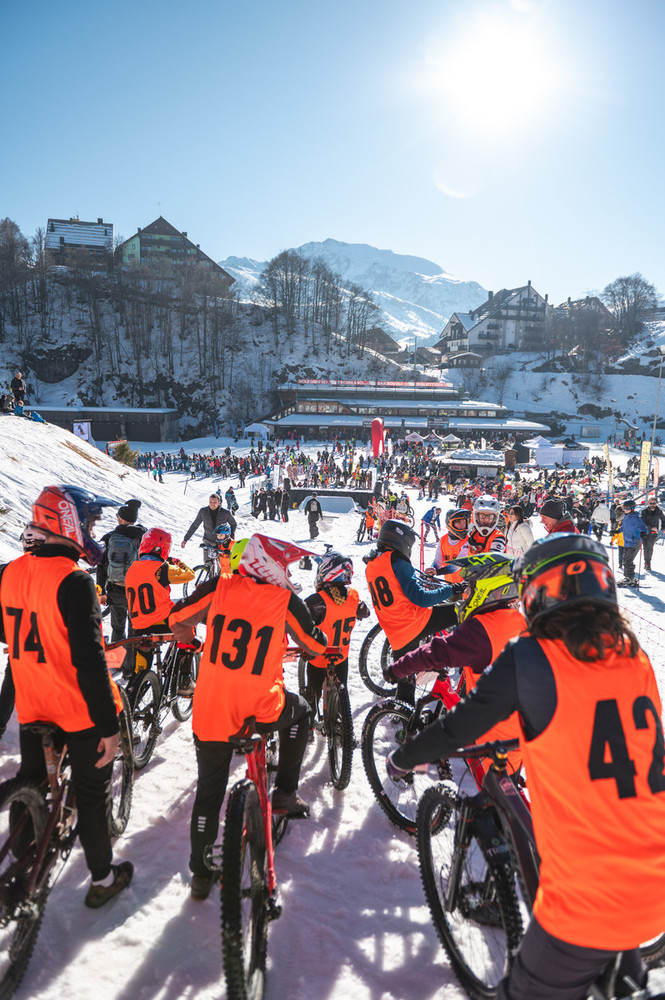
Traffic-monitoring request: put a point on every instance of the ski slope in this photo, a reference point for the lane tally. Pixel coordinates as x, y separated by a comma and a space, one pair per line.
354, 920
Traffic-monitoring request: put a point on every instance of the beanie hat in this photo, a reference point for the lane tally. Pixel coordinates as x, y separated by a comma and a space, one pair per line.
130, 511
552, 508
628, 505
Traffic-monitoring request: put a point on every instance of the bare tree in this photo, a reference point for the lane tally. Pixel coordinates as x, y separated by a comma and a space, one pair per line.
630, 299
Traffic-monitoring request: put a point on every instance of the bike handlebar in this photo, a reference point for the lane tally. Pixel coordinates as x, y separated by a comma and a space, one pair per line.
494, 749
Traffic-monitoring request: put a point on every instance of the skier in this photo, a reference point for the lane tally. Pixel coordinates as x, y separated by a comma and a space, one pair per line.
632, 528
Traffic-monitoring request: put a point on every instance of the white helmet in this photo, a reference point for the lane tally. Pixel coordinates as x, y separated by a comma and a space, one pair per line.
486, 505
268, 559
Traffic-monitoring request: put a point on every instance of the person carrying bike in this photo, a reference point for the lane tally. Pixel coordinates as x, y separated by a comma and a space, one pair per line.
210, 517
51, 621
335, 607
148, 587
404, 606
590, 715
248, 616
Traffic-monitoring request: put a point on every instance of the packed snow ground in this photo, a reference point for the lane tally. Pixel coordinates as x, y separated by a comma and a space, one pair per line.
354, 921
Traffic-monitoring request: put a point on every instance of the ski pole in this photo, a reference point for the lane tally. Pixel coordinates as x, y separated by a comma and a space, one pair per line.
639, 565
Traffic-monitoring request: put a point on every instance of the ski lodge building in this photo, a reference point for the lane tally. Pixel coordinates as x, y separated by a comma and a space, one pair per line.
320, 408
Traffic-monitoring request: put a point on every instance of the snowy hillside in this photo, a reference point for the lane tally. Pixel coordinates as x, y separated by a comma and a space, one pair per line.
354, 923
416, 296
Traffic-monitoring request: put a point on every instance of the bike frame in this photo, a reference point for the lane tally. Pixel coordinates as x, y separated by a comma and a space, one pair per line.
257, 773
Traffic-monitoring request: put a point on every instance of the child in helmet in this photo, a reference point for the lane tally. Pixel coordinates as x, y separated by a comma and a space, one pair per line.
248, 617
590, 715
335, 608
147, 585
224, 538
485, 535
453, 545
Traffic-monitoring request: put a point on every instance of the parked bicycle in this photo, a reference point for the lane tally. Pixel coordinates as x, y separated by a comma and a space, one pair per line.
159, 690
332, 717
37, 832
479, 867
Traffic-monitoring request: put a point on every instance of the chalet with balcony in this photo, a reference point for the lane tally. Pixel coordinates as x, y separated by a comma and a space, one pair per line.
162, 248
513, 319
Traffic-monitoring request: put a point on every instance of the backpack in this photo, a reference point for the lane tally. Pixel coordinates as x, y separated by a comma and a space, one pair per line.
121, 552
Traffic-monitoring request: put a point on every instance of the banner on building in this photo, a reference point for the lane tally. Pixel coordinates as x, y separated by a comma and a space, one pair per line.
644, 465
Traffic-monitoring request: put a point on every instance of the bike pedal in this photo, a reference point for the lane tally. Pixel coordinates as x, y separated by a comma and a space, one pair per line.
274, 909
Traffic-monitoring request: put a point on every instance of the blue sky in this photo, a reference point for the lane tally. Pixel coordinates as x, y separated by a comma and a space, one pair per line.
502, 139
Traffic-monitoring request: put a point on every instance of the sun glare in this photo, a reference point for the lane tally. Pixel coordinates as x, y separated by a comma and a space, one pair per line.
497, 76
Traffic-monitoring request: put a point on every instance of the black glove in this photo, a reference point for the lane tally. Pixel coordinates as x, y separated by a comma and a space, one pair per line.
388, 674
458, 589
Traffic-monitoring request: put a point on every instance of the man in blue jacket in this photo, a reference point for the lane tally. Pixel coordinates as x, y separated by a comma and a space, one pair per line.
632, 527
432, 519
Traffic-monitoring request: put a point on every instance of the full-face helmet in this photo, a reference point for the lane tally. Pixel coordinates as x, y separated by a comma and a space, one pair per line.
457, 522
490, 583
396, 535
70, 512
267, 559
334, 568
155, 541
485, 515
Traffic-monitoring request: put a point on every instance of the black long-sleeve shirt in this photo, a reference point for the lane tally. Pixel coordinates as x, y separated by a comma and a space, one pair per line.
81, 615
520, 680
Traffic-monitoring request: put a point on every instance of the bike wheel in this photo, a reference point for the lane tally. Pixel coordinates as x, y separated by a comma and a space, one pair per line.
201, 574
122, 775
145, 718
653, 952
362, 529
470, 891
182, 705
339, 730
374, 655
244, 895
23, 819
385, 729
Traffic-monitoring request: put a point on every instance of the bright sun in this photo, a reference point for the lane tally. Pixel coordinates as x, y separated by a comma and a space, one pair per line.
498, 75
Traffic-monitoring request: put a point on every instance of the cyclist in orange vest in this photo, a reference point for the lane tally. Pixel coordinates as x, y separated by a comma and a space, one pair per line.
248, 616
51, 621
335, 608
485, 535
489, 618
453, 545
590, 715
147, 585
407, 610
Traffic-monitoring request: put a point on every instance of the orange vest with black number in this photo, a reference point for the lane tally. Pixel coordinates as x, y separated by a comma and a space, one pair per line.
500, 626
598, 802
148, 601
337, 624
45, 678
240, 673
399, 618
451, 549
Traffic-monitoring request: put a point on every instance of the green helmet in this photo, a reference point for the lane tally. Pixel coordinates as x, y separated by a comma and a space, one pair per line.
489, 575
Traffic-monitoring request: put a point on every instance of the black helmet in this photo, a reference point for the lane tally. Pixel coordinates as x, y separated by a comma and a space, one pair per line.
628, 505
457, 522
334, 568
562, 569
396, 535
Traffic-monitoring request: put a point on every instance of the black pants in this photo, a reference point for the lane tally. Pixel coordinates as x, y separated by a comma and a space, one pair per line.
213, 759
92, 788
443, 616
648, 543
116, 598
316, 676
7, 698
313, 530
629, 556
549, 969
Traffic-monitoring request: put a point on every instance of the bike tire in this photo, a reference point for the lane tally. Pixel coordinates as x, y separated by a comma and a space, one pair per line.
384, 730
145, 718
374, 655
244, 895
23, 819
362, 531
183, 705
122, 775
339, 730
201, 574
653, 952
483, 927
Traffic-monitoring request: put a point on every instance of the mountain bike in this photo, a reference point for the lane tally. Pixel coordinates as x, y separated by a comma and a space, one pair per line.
479, 868
157, 691
246, 862
332, 717
37, 832
212, 567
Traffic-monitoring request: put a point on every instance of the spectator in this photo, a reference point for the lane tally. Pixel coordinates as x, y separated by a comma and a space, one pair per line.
314, 513
654, 519
18, 388
432, 519
519, 536
210, 517
633, 527
553, 519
